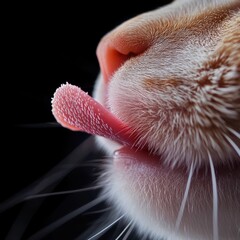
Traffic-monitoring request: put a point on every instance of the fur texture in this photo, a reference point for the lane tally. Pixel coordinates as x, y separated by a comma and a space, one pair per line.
173, 75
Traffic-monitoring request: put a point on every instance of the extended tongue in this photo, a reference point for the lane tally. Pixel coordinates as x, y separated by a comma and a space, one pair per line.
76, 110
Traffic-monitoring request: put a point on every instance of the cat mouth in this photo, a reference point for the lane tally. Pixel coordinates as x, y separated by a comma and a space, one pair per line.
76, 110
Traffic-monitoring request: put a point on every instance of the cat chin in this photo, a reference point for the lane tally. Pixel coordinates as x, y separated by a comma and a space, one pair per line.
150, 194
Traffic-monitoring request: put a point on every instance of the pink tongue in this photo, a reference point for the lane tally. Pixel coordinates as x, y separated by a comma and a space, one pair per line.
76, 110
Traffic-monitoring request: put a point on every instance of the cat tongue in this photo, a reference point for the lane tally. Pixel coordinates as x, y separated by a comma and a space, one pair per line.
76, 110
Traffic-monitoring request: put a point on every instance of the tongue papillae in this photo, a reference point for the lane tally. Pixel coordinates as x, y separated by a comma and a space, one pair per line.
76, 110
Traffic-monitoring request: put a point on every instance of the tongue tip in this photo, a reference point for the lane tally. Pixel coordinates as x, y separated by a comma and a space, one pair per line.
76, 110
60, 92
64, 89
60, 105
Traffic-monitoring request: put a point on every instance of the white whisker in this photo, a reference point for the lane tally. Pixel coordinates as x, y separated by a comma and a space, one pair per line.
54, 176
183, 204
124, 230
82, 165
215, 199
99, 211
234, 132
128, 232
233, 144
61, 193
51, 227
106, 228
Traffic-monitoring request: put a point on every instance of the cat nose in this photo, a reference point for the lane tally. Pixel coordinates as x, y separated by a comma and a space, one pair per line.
121, 44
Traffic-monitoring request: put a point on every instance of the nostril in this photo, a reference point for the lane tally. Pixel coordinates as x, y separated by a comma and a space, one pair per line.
113, 51
109, 59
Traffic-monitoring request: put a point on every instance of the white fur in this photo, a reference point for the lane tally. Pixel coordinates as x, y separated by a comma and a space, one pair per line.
181, 124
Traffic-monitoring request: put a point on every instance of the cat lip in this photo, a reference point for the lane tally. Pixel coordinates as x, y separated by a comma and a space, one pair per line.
125, 155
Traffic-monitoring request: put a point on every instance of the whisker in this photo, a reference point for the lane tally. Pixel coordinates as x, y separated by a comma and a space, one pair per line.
128, 232
91, 164
234, 132
22, 221
106, 228
52, 176
215, 199
100, 222
24, 218
62, 193
99, 211
40, 125
183, 204
53, 226
124, 230
32, 189
233, 144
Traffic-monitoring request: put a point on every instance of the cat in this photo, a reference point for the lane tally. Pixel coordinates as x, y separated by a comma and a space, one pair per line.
168, 103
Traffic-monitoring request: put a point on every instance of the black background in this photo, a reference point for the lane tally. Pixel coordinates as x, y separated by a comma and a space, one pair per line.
47, 45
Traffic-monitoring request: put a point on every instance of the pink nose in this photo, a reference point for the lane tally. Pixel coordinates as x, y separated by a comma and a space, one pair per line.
118, 46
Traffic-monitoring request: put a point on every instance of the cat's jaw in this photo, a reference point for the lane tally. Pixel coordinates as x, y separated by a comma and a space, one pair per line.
151, 195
